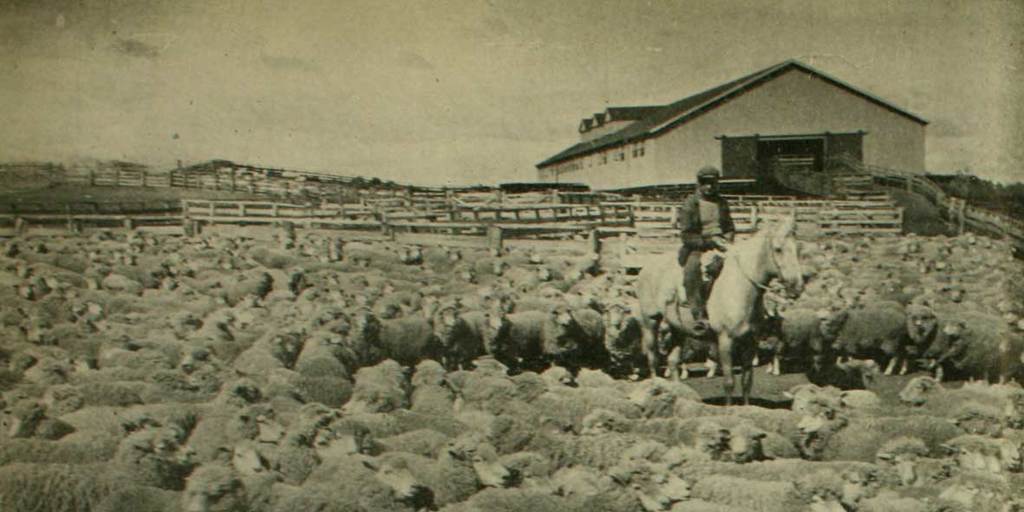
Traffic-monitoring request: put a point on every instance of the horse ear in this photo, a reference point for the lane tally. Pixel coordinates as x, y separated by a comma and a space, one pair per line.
786, 228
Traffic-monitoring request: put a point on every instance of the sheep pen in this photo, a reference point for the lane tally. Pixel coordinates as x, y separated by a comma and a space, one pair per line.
224, 371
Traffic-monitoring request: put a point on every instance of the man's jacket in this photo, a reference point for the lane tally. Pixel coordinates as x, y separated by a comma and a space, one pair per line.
689, 222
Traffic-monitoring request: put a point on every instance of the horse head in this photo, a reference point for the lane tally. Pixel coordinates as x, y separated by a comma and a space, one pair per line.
785, 256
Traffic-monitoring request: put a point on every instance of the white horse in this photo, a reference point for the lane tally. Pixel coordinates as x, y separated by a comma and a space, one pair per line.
734, 301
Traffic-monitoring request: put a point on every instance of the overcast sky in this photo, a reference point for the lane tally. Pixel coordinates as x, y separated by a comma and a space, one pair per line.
470, 91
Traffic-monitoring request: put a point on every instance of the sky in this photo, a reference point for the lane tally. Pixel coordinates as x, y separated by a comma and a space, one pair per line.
438, 92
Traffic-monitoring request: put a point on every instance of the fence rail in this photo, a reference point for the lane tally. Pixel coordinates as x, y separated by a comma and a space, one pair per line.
956, 210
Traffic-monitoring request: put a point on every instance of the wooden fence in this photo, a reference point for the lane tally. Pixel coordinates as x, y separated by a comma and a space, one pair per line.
956, 210
875, 215
871, 215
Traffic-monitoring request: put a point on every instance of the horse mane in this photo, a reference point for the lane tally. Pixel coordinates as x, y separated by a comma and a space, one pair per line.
753, 246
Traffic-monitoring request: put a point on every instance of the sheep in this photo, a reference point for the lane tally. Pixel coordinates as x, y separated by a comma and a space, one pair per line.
977, 345
140, 497
221, 428
560, 335
407, 340
424, 442
807, 335
748, 494
513, 500
369, 484
148, 457
217, 486
979, 491
903, 454
380, 388
929, 395
848, 375
256, 285
830, 436
27, 418
460, 335
622, 340
55, 487
94, 449
431, 394
921, 331
657, 397
981, 453
120, 283
878, 331
326, 354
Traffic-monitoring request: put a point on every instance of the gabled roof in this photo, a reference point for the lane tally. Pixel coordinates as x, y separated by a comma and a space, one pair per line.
656, 120
632, 113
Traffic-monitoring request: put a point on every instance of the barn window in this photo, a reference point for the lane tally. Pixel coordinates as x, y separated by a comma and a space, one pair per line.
604, 158
638, 150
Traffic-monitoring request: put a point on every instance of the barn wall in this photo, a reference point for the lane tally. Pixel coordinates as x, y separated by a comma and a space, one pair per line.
604, 170
795, 102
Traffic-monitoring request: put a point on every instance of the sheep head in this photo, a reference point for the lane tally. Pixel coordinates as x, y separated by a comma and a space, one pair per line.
214, 488
816, 429
921, 324
496, 333
919, 390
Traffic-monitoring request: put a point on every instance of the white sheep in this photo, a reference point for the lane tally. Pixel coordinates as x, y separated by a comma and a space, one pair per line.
380, 388
987, 454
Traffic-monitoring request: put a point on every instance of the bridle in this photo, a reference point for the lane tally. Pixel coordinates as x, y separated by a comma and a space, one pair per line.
771, 255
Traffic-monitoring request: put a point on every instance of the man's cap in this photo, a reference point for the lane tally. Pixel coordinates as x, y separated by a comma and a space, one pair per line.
708, 174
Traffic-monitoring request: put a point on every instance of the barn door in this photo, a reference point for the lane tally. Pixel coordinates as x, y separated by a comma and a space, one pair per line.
739, 157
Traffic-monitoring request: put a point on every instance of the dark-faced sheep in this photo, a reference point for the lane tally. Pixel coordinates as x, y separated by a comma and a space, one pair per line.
568, 337
460, 335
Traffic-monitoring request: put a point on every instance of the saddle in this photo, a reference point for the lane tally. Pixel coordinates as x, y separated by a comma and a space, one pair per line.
711, 264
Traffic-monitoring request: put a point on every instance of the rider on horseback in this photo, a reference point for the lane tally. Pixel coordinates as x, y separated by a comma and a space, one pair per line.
705, 224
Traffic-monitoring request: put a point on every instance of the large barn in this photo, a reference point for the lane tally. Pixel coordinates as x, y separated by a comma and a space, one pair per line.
789, 122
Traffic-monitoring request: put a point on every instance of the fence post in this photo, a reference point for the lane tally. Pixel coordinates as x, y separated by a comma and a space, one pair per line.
143, 177
20, 225
129, 223
495, 239
594, 241
92, 177
753, 217
960, 216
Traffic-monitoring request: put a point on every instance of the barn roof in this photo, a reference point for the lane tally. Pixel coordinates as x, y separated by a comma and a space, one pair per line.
654, 120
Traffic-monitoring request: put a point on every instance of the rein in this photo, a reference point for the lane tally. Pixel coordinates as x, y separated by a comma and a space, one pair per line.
743, 272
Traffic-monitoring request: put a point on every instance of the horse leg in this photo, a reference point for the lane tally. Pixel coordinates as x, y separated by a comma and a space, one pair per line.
725, 358
891, 366
711, 361
747, 356
672, 364
649, 344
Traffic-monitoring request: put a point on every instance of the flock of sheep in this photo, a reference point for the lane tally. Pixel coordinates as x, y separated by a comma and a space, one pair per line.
217, 372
